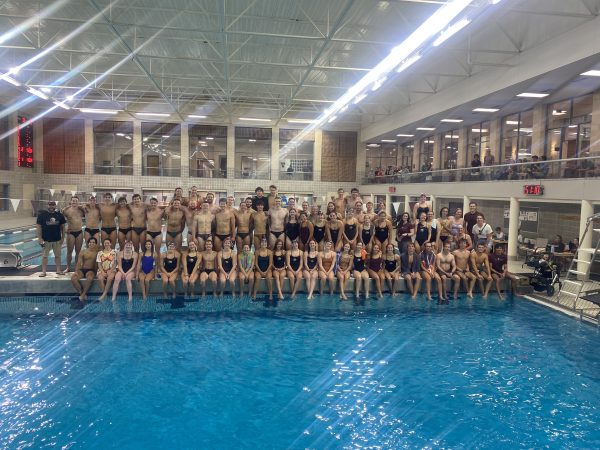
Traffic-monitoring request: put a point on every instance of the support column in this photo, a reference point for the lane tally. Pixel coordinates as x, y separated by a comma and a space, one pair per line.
466, 201
461, 160
513, 229
185, 156
88, 145
438, 143
538, 137
388, 204
407, 204
416, 159
318, 155
137, 148
495, 140
595, 127
432, 200
275, 154
587, 209
230, 151
361, 158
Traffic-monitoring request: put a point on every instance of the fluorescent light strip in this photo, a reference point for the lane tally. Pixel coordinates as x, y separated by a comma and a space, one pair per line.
451, 120
301, 120
513, 122
98, 111
532, 95
451, 31
479, 130
425, 129
405, 135
408, 62
389, 141
591, 73
488, 110
194, 116
253, 119
151, 114
40, 94
10, 80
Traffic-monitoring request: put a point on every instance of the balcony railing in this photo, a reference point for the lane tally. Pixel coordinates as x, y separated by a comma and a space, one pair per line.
112, 170
587, 167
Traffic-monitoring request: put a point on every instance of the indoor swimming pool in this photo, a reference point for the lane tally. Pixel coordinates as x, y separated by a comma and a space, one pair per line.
230, 373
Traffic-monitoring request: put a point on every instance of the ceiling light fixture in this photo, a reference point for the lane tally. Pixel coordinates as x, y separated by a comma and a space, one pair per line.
451, 31
37, 93
98, 111
373, 145
254, 119
408, 62
151, 114
389, 141
195, 116
210, 138
301, 120
251, 140
479, 130
451, 120
513, 122
425, 129
405, 135
591, 73
488, 110
558, 112
532, 95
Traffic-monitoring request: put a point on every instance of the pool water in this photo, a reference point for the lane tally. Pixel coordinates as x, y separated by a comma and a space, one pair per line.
222, 374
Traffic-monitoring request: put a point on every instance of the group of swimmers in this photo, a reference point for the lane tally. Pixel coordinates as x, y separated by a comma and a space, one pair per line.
274, 242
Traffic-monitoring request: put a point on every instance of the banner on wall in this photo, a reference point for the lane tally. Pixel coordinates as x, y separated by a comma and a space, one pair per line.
528, 219
15, 203
396, 206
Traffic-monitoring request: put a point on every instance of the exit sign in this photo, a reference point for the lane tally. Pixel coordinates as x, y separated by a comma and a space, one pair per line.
392, 189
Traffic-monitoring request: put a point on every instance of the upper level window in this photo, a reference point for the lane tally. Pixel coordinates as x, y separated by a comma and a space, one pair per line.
405, 156
517, 130
569, 128
113, 147
296, 160
161, 149
478, 141
208, 151
382, 158
450, 150
253, 152
426, 159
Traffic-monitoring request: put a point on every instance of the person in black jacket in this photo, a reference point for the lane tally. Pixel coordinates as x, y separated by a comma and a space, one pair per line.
260, 198
50, 227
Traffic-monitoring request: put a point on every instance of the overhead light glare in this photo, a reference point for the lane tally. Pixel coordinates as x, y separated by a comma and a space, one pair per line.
195, 116
558, 112
405, 135
98, 111
359, 99
251, 140
37, 93
332, 118
151, 114
373, 145
378, 84
10, 80
513, 122
254, 119
62, 105
451, 136
572, 126
591, 73
532, 95
47, 90
425, 129
451, 120
451, 31
14, 70
389, 141
488, 110
479, 130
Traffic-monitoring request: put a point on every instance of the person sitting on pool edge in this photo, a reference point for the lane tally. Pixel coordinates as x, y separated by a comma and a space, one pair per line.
85, 268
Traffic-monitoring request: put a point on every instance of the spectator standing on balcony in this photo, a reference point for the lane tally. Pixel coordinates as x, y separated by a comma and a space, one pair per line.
476, 163
488, 159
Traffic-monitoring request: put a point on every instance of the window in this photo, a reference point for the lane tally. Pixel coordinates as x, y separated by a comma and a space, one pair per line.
450, 150
478, 141
568, 130
426, 156
517, 130
382, 159
253, 153
4, 197
296, 160
161, 149
208, 151
113, 148
406, 155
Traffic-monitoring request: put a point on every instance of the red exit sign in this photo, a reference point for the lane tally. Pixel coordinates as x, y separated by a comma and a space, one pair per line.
533, 189
392, 189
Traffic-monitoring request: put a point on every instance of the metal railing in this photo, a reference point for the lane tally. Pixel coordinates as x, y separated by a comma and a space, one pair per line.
112, 170
541, 170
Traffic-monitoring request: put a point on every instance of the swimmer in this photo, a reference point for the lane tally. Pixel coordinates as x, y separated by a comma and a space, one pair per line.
85, 267
74, 214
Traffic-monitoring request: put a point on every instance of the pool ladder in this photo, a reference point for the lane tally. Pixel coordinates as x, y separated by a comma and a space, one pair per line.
578, 276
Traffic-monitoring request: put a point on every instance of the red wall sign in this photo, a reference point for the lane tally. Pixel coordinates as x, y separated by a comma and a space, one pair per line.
24, 143
392, 189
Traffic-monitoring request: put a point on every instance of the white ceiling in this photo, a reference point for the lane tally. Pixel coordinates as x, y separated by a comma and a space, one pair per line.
272, 59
